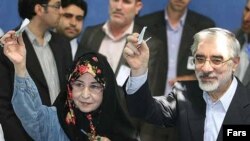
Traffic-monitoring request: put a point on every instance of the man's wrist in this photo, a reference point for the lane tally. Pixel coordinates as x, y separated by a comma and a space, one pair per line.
138, 72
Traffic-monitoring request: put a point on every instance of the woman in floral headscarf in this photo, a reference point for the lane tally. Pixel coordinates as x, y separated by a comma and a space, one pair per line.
87, 111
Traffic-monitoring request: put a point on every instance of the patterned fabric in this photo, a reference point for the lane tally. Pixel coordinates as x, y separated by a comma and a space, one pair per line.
90, 65
85, 64
88, 126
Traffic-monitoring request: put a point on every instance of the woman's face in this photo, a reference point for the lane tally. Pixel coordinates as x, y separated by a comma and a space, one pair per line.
87, 93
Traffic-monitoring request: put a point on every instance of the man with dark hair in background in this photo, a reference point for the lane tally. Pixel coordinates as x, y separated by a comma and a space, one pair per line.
48, 58
71, 21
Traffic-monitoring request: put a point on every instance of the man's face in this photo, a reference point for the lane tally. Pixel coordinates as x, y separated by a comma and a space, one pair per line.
123, 12
213, 76
52, 13
71, 21
246, 19
179, 5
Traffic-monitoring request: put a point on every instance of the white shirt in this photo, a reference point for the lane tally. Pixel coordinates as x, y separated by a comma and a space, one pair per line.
216, 111
134, 83
174, 35
47, 62
74, 45
112, 47
1, 133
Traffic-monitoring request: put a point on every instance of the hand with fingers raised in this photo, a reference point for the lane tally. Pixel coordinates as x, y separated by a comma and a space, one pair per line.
136, 57
15, 50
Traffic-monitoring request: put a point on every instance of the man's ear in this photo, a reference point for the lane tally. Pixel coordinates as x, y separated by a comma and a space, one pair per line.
236, 62
39, 9
139, 6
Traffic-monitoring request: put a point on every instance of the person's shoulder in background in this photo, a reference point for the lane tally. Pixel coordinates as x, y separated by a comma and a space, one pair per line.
151, 18
199, 21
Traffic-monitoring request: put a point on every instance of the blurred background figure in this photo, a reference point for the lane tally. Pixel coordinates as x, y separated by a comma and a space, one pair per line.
48, 59
109, 38
211, 8
71, 21
175, 27
243, 35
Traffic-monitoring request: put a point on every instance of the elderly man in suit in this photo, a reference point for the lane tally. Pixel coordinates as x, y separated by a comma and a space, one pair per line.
175, 27
243, 35
199, 109
109, 38
48, 59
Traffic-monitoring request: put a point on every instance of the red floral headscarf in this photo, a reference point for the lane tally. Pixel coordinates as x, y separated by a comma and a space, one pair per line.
87, 64
100, 121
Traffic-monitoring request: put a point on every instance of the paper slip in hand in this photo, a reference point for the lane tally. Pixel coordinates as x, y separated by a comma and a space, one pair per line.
190, 63
21, 29
123, 74
140, 38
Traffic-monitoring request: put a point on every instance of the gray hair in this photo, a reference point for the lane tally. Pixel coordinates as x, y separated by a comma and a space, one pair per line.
219, 34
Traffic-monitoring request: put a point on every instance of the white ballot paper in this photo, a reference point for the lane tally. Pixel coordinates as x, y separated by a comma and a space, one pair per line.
190, 63
21, 29
123, 74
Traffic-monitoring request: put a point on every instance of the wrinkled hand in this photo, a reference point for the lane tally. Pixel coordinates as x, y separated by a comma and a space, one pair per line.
14, 49
136, 55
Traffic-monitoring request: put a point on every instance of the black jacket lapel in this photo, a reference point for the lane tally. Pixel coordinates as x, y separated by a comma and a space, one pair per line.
33, 64
238, 109
196, 112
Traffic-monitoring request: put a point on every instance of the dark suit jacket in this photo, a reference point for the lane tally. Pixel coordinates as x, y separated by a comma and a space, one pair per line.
92, 39
157, 25
186, 109
60, 47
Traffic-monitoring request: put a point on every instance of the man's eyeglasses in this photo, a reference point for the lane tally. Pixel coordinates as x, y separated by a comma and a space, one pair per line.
93, 88
78, 18
214, 61
56, 6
